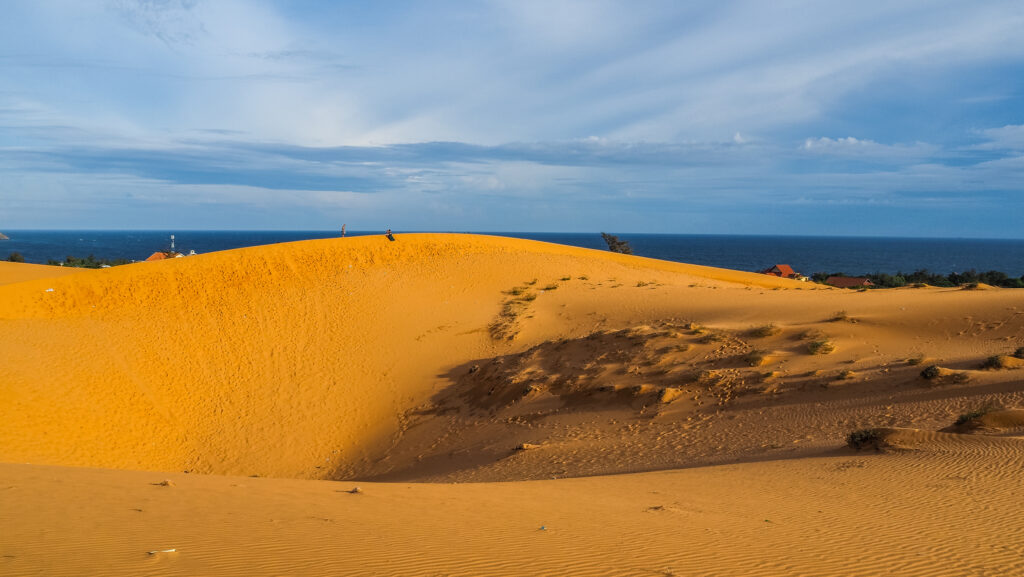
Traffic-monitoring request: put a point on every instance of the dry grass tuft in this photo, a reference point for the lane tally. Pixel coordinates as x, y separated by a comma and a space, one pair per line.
765, 331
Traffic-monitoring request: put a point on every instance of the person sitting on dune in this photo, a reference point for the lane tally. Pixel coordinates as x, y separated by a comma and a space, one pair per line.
390, 236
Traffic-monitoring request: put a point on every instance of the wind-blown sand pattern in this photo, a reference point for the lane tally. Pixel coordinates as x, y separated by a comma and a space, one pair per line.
616, 415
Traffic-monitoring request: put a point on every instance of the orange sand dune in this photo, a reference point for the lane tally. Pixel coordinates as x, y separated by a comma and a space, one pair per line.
468, 358
12, 272
317, 359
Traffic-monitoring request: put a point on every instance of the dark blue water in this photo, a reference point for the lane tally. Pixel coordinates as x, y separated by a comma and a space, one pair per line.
851, 255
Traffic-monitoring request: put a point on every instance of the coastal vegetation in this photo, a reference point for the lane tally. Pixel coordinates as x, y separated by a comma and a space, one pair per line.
88, 262
616, 245
924, 277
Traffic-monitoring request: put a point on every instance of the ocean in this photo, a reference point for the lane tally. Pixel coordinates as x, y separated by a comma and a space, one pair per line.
850, 255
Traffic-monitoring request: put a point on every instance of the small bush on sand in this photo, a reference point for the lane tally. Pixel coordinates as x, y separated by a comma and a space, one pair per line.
550, 287
765, 331
755, 358
839, 316
516, 291
972, 415
845, 374
931, 372
822, 347
531, 283
583, 277
865, 439
565, 278
1019, 353
528, 297
915, 360
712, 338
995, 362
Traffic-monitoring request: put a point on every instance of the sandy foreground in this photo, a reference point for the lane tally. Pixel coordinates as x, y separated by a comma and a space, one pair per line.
506, 407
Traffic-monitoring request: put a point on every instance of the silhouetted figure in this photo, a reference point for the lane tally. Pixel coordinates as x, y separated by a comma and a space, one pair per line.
342, 230
390, 236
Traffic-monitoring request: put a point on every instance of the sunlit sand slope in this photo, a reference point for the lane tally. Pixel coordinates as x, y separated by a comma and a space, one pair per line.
288, 360
437, 356
12, 272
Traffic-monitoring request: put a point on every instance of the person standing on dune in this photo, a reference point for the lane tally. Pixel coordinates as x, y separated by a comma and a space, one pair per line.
390, 236
343, 231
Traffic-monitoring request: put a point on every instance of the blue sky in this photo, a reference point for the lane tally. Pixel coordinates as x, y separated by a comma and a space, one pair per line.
783, 117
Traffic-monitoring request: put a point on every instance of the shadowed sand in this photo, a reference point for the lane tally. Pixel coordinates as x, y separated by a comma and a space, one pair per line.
449, 358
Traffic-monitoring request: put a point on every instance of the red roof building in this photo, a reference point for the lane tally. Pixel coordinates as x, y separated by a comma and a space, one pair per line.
848, 282
783, 271
163, 255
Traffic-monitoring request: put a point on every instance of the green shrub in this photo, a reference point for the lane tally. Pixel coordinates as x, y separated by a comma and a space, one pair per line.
1019, 353
994, 362
765, 331
865, 439
966, 417
820, 347
931, 372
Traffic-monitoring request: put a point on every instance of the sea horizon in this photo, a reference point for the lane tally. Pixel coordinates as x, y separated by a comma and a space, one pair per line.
808, 254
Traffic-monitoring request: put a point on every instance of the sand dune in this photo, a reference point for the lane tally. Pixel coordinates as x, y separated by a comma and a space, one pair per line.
467, 358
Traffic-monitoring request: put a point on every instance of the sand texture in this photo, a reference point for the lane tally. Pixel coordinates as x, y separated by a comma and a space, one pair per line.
507, 407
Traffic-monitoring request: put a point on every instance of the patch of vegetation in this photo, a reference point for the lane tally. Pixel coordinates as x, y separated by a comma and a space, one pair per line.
922, 278
583, 277
995, 362
641, 283
845, 374
840, 316
765, 331
88, 262
516, 291
971, 286
712, 338
976, 414
755, 358
565, 278
1019, 353
531, 283
865, 439
821, 347
696, 328
915, 360
528, 297
550, 287
931, 372
616, 245
16, 257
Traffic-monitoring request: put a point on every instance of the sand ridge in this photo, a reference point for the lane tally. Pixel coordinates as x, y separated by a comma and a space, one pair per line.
312, 359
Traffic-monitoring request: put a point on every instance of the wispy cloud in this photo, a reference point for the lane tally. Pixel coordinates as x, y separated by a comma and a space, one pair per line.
532, 115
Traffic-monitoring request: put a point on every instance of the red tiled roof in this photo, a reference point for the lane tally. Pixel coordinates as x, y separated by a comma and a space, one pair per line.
163, 255
782, 270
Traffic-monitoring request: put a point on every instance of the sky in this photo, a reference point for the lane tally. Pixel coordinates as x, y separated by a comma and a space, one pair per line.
869, 118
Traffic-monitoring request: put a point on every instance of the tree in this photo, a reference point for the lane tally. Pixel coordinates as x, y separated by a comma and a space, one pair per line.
16, 257
616, 245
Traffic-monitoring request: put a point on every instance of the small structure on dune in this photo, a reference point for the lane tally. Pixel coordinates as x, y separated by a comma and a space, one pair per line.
849, 282
163, 255
784, 271
169, 253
